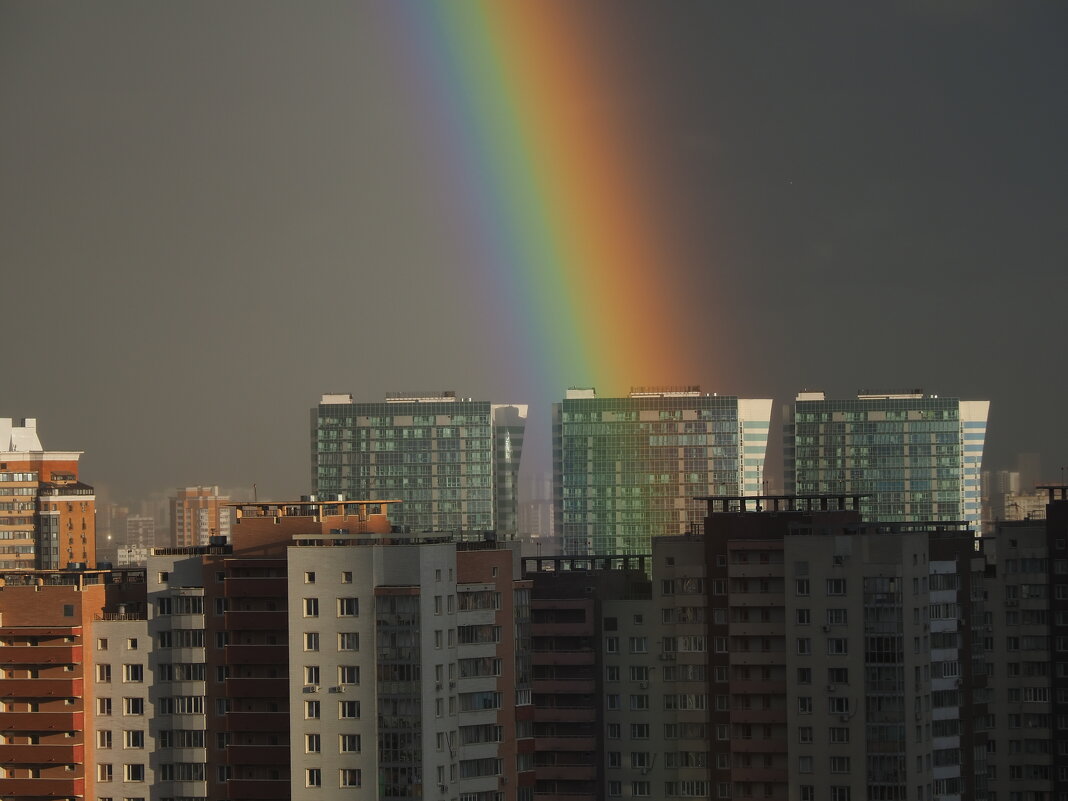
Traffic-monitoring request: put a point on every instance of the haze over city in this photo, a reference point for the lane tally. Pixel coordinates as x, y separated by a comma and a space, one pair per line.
211, 214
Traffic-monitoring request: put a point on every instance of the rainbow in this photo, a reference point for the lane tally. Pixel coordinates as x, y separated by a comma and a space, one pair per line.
525, 108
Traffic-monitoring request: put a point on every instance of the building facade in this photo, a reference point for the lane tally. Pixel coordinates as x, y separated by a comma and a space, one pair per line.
453, 461
626, 470
47, 515
197, 515
915, 456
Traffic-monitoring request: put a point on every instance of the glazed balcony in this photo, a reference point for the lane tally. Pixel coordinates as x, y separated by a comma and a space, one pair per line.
257, 722
257, 789
261, 654
257, 754
257, 620
257, 688
256, 587
575, 773
543, 744
565, 714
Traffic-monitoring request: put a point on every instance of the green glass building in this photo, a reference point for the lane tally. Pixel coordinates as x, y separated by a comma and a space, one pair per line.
917, 457
454, 462
626, 470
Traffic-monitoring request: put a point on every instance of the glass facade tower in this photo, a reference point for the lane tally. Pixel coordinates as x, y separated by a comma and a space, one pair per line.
453, 462
626, 470
916, 457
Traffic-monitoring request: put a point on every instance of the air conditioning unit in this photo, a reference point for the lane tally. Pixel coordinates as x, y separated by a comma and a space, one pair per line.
311, 688
452, 685
437, 685
825, 629
643, 685
443, 788
340, 688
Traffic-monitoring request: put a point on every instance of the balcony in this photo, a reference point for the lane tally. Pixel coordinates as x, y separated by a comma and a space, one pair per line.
561, 630
41, 688
262, 654
257, 754
565, 714
751, 599
543, 744
44, 754
41, 721
40, 655
257, 789
43, 788
758, 746
257, 721
256, 587
758, 715
563, 657
566, 772
257, 688
565, 686
757, 687
261, 620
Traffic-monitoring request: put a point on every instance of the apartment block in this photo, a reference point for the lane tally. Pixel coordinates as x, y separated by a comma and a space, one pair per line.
626, 470
47, 515
453, 461
197, 515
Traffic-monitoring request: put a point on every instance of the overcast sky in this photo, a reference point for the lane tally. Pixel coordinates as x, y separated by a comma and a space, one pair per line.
210, 213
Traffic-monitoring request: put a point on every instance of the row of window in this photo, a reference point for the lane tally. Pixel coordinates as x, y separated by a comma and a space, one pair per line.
346, 607
347, 777
347, 744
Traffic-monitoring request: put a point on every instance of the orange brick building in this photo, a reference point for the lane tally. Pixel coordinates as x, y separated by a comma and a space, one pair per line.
47, 515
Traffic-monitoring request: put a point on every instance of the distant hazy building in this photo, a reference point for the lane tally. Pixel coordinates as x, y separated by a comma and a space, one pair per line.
917, 457
626, 470
197, 514
47, 516
454, 462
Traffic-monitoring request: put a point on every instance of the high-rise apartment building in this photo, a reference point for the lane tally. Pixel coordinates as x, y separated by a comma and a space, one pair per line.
453, 461
915, 456
47, 516
197, 515
626, 470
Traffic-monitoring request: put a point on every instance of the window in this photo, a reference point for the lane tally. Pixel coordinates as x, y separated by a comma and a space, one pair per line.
804, 705
311, 641
309, 577
804, 675
611, 673
839, 793
312, 744
313, 777
346, 577
839, 764
311, 710
611, 645
837, 617
804, 764
803, 616
613, 731
836, 586
311, 674
102, 644
104, 772
103, 673
348, 674
639, 645
838, 734
311, 608
134, 674
348, 641
804, 734
349, 743
133, 706
133, 738
103, 706
348, 709
639, 731
837, 646
103, 739
838, 675
350, 777
348, 607
804, 646
801, 587
134, 772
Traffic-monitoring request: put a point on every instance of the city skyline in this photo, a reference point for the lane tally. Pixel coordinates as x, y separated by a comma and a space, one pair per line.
193, 196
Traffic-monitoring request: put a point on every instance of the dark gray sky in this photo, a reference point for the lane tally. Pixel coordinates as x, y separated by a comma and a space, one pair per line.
211, 213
